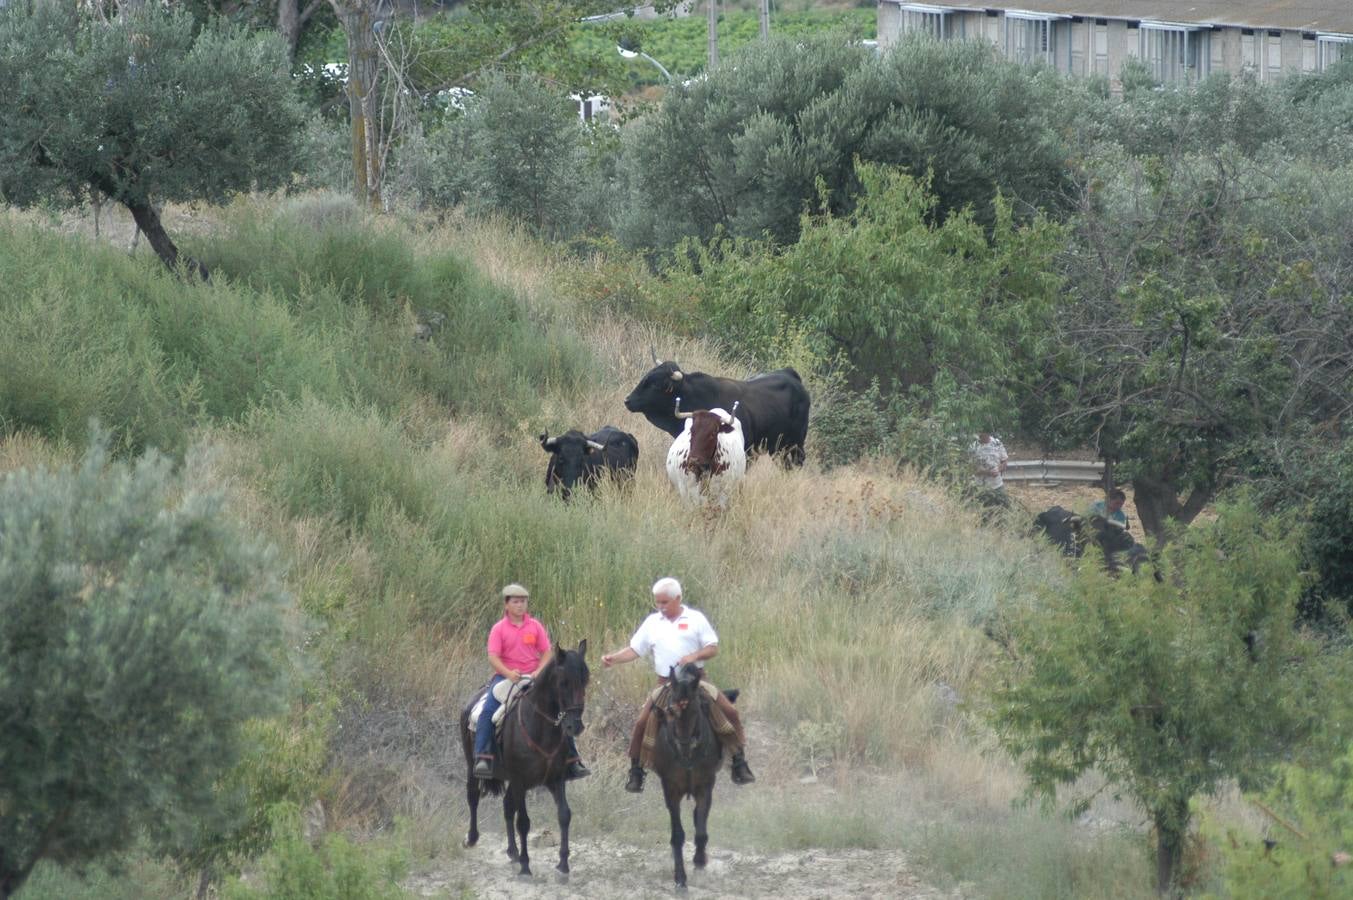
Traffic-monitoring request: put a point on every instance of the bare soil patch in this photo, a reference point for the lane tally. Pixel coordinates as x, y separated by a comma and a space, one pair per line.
604, 867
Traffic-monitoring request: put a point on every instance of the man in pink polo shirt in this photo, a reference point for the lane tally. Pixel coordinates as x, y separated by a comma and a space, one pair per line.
519, 647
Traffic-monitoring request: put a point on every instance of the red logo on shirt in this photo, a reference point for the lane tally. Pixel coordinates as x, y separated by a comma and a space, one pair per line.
529, 637
682, 626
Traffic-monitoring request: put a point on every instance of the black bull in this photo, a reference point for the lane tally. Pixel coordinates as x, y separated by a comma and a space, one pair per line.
1072, 533
773, 407
576, 457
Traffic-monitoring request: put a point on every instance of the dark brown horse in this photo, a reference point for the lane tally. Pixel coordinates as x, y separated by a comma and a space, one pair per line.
531, 752
686, 757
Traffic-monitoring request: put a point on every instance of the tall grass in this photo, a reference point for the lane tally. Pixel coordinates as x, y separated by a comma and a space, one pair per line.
401, 476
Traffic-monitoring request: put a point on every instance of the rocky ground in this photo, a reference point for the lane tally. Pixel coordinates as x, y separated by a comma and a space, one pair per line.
603, 867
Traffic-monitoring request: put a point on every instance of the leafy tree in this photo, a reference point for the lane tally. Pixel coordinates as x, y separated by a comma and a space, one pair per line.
143, 109
390, 63
1167, 688
1312, 858
518, 150
1209, 322
936, 309
743, 149
139, 630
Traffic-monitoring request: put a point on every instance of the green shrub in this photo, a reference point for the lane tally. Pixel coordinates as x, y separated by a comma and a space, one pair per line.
140, 630
1314, 806
295, 870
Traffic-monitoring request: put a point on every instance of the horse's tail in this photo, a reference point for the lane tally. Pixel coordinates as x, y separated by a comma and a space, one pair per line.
491, 786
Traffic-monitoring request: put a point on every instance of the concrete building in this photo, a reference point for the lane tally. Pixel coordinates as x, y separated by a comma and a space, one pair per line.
1179, 42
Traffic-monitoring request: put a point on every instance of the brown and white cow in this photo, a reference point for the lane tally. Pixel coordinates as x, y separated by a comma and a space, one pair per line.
708, 458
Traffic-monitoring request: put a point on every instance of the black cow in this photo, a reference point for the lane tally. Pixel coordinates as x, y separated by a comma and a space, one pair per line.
773, 406
575, 456
1071, 533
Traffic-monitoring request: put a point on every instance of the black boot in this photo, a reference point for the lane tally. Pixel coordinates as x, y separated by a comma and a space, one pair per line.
742, 773
575, 770
636, 782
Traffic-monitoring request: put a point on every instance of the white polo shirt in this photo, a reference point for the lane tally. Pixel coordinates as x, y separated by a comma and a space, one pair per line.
671, 639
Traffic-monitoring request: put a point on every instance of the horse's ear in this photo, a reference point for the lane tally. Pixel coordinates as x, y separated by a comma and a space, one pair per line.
671, 673
582, 647
559, 655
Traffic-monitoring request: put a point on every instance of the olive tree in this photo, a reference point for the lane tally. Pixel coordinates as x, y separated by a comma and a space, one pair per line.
144, 108
140, 631
1167, 688
743, 150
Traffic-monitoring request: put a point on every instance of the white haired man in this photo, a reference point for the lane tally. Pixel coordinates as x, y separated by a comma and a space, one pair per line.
675, 635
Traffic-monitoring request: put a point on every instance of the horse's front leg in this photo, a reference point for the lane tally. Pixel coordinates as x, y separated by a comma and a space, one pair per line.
509, 818
703, 800
673, 798
565, 816
472, 797
523, 829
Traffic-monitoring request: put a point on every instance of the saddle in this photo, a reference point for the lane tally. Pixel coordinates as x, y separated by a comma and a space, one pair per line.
507, 693
718, 721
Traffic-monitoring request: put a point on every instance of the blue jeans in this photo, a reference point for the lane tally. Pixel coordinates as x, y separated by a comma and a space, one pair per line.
483, 732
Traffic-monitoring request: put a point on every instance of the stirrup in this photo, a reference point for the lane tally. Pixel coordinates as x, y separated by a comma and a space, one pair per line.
636, 782
483, 767
575, 770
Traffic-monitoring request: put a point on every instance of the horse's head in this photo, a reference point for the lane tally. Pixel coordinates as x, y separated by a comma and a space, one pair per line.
684, 687
568, 678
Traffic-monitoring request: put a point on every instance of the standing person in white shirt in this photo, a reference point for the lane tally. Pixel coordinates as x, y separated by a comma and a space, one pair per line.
989, 460
675, 635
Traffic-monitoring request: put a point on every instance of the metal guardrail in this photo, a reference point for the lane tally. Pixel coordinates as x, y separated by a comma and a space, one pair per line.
1053, 470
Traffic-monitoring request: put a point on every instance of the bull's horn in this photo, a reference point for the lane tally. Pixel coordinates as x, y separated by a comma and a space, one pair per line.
676, 410
734, 410
654, 350
548, 442
595, 446
676, 376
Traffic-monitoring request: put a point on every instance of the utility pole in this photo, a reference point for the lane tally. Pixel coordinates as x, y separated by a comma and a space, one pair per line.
765, 19
713, 6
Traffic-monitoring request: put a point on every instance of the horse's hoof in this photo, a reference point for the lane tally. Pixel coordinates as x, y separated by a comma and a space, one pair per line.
561, 877
512, 855
524, 875
699, 862
681, 885
469, 841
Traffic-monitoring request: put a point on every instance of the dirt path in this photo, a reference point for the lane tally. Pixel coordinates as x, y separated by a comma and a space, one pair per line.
604, 868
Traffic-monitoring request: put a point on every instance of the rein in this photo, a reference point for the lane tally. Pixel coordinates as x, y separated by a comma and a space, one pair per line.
555, 722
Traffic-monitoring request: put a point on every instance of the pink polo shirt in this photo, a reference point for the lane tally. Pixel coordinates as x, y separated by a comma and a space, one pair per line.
520, 647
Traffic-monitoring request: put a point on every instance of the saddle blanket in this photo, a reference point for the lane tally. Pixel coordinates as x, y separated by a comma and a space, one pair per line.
507, 693
717, 720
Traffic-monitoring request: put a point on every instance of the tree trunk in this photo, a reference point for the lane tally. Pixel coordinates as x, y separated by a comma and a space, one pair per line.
1157, 501
291, 20
148, 220
1171, 826
363, 77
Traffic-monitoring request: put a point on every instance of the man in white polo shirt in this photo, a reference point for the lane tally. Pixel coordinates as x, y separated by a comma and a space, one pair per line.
675, 635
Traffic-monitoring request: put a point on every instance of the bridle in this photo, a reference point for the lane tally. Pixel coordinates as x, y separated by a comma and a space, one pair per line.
556, 721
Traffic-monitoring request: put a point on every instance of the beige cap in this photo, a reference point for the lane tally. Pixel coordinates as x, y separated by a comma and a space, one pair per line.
515, 590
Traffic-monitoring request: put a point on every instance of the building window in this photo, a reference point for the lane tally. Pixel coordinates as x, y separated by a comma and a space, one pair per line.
1308, 53
1101, 47
932, 20
1249, 52
991, 28
1028, 37
1079, 30
1330, 48
1173, 52
1216, 51
1273, 55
